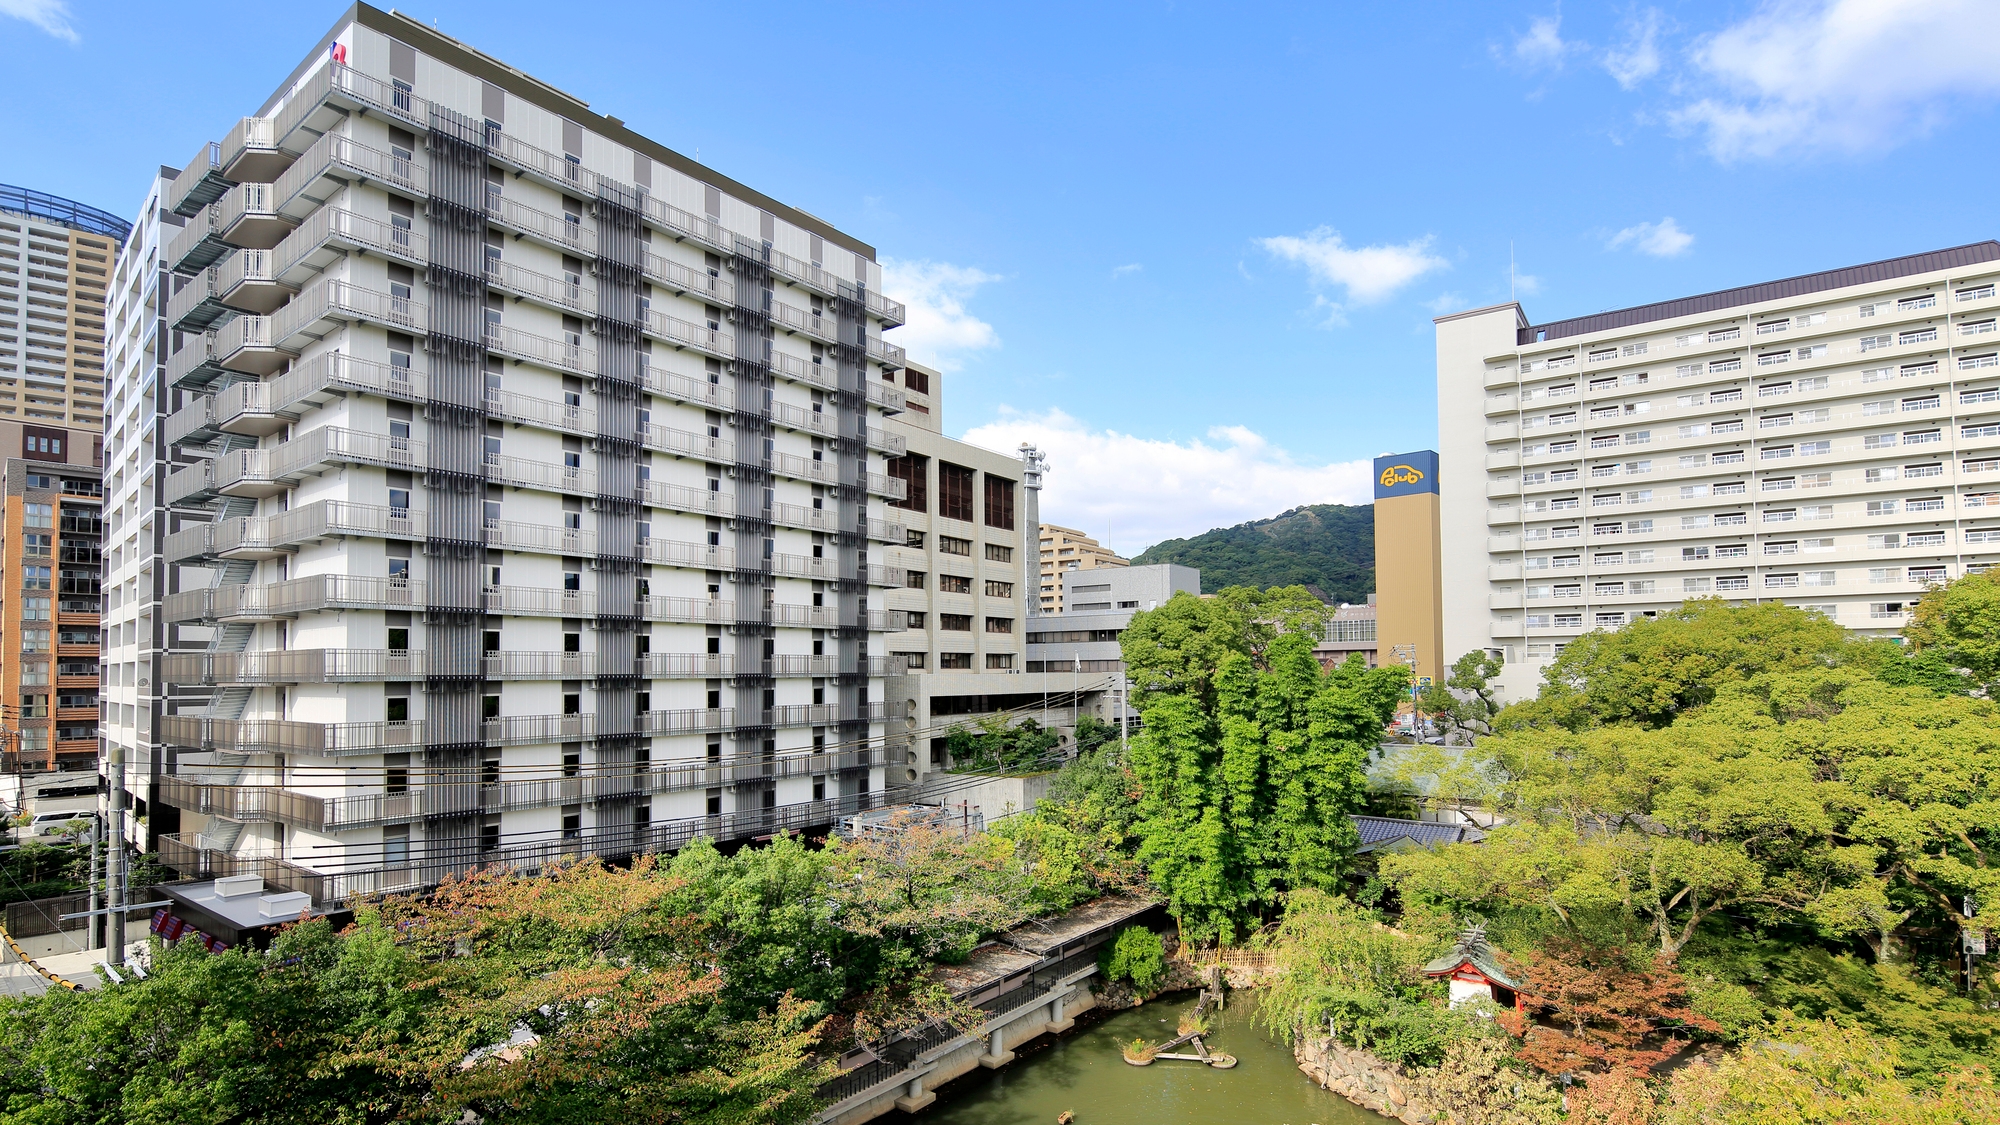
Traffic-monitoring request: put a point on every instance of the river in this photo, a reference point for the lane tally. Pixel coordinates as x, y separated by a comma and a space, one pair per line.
1083, 1073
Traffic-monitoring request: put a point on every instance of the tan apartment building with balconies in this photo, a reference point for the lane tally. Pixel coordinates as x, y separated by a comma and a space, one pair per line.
55, 265
530, 487
1830, 441
1065, 549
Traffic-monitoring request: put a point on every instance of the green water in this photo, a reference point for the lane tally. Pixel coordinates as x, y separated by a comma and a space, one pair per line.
1082, 1072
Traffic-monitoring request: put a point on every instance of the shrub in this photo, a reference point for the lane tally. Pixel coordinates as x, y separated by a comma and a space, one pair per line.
1139, 956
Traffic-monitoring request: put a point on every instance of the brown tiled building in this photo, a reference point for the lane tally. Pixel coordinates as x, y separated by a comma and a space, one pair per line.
55, 261
50, 565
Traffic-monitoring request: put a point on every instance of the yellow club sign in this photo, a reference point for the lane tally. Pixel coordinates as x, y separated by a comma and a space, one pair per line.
1401, 474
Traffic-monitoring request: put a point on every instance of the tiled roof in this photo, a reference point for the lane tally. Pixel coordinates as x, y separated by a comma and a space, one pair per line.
1381, 831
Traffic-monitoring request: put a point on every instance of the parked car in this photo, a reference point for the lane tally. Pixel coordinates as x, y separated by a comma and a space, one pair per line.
46, 826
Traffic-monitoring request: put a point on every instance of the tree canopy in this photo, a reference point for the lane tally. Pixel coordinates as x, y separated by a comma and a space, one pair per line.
1328, 548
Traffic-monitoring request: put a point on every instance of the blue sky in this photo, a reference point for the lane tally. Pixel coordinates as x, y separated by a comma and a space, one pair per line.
1192, 249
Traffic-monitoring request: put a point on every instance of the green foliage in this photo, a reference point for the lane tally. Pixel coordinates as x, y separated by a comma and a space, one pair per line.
1466, 702
1655, 669
1359, 979
1959, 624
1137, 955
1252, 756
39, 870
993, 744
1328, 548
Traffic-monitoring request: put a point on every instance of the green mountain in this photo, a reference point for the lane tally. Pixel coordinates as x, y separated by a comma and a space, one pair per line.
1328, 547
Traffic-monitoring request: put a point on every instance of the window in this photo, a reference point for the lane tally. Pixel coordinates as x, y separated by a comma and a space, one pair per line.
999, 661
1693, 554
1871, 343
913, 619
954, 584
1815, 448
34, 578
997, 589
1000, 625
1922, 437
948, 545
1699, 429
955, 622
995, 552
1780, 515
955, 661
1732, 582
1889, 541
999, 502
913, 470
1969, 362
1775, 452
914, 579
1729, 426
1694, 585
1718, 335
1733, 363
1885, 574
955, 491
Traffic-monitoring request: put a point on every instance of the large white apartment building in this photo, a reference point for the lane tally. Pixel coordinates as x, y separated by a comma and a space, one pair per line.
533, 495
1830, 441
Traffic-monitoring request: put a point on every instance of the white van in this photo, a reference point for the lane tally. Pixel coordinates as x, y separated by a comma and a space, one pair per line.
46, 826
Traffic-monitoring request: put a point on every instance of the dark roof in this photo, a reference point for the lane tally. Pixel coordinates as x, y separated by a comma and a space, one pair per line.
1472, 950
1379, 832
68, 212
1957, 257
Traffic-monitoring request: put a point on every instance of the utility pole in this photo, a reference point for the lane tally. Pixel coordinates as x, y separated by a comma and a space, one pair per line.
116, 870
90, 938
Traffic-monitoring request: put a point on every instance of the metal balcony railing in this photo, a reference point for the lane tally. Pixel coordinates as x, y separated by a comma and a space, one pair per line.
821, 375
699, 556
246, 215
250, 149
540, 601
573, 294
800, 418
332, 231
277, 736
541, 538
895, 445
326, 95
696, 392
200, 182
681, 443
246, 344
268, 536
197, 305
682, 334
805, 274
794, 319
804, 518
199, 244
341, 159
563, 355
197, 363
292, 666
558, 231
317, 311
690, 282
681, 498
885, 353
521, 472
245, 280
310, 594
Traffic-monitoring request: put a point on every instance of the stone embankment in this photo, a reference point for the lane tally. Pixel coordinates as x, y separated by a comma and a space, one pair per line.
1363, 1079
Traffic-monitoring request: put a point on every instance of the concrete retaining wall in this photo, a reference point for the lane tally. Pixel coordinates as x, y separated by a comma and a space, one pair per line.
995, 797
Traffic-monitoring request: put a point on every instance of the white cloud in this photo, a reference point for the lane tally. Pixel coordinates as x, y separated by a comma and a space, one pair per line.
1131, 492
51, 16
1543, 44
1445, 302
939, 329
1367, 273
1845, 75
1664, 239
1639, 58
1120, 271
1527, 284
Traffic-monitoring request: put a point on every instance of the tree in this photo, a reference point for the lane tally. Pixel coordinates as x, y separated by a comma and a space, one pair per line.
1603, 1013
1329, 548
1653, 670
1466, 702
1960, 622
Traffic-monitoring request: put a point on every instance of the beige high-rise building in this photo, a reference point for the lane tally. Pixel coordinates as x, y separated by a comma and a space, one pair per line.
55, 262
1066, 548
1830, 441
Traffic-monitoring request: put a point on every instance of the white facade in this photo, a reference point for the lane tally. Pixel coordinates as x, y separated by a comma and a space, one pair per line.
534, 503
1829, 441
133, 637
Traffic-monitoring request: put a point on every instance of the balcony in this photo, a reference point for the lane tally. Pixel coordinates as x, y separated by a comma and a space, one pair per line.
246, 217
245, 281
539, 601
264, 537
333, 304
199, 244
804, 518
822, 375
556, 231
890, 312
807, 275
685, 281
196, 364
278, 600
812, 421
258, 409
194, 422
333, 232
334, 162
681, 498
792, 319
827, 569
890, 399
567, 294
892, 444
330, 94
291, 666
246, 344
196, 305
250, 152
277, 736
521, 472
683, 335
680, 388
200, 183
541, 538
267, 472
688, 611
563, 355
885, 353
680, 443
